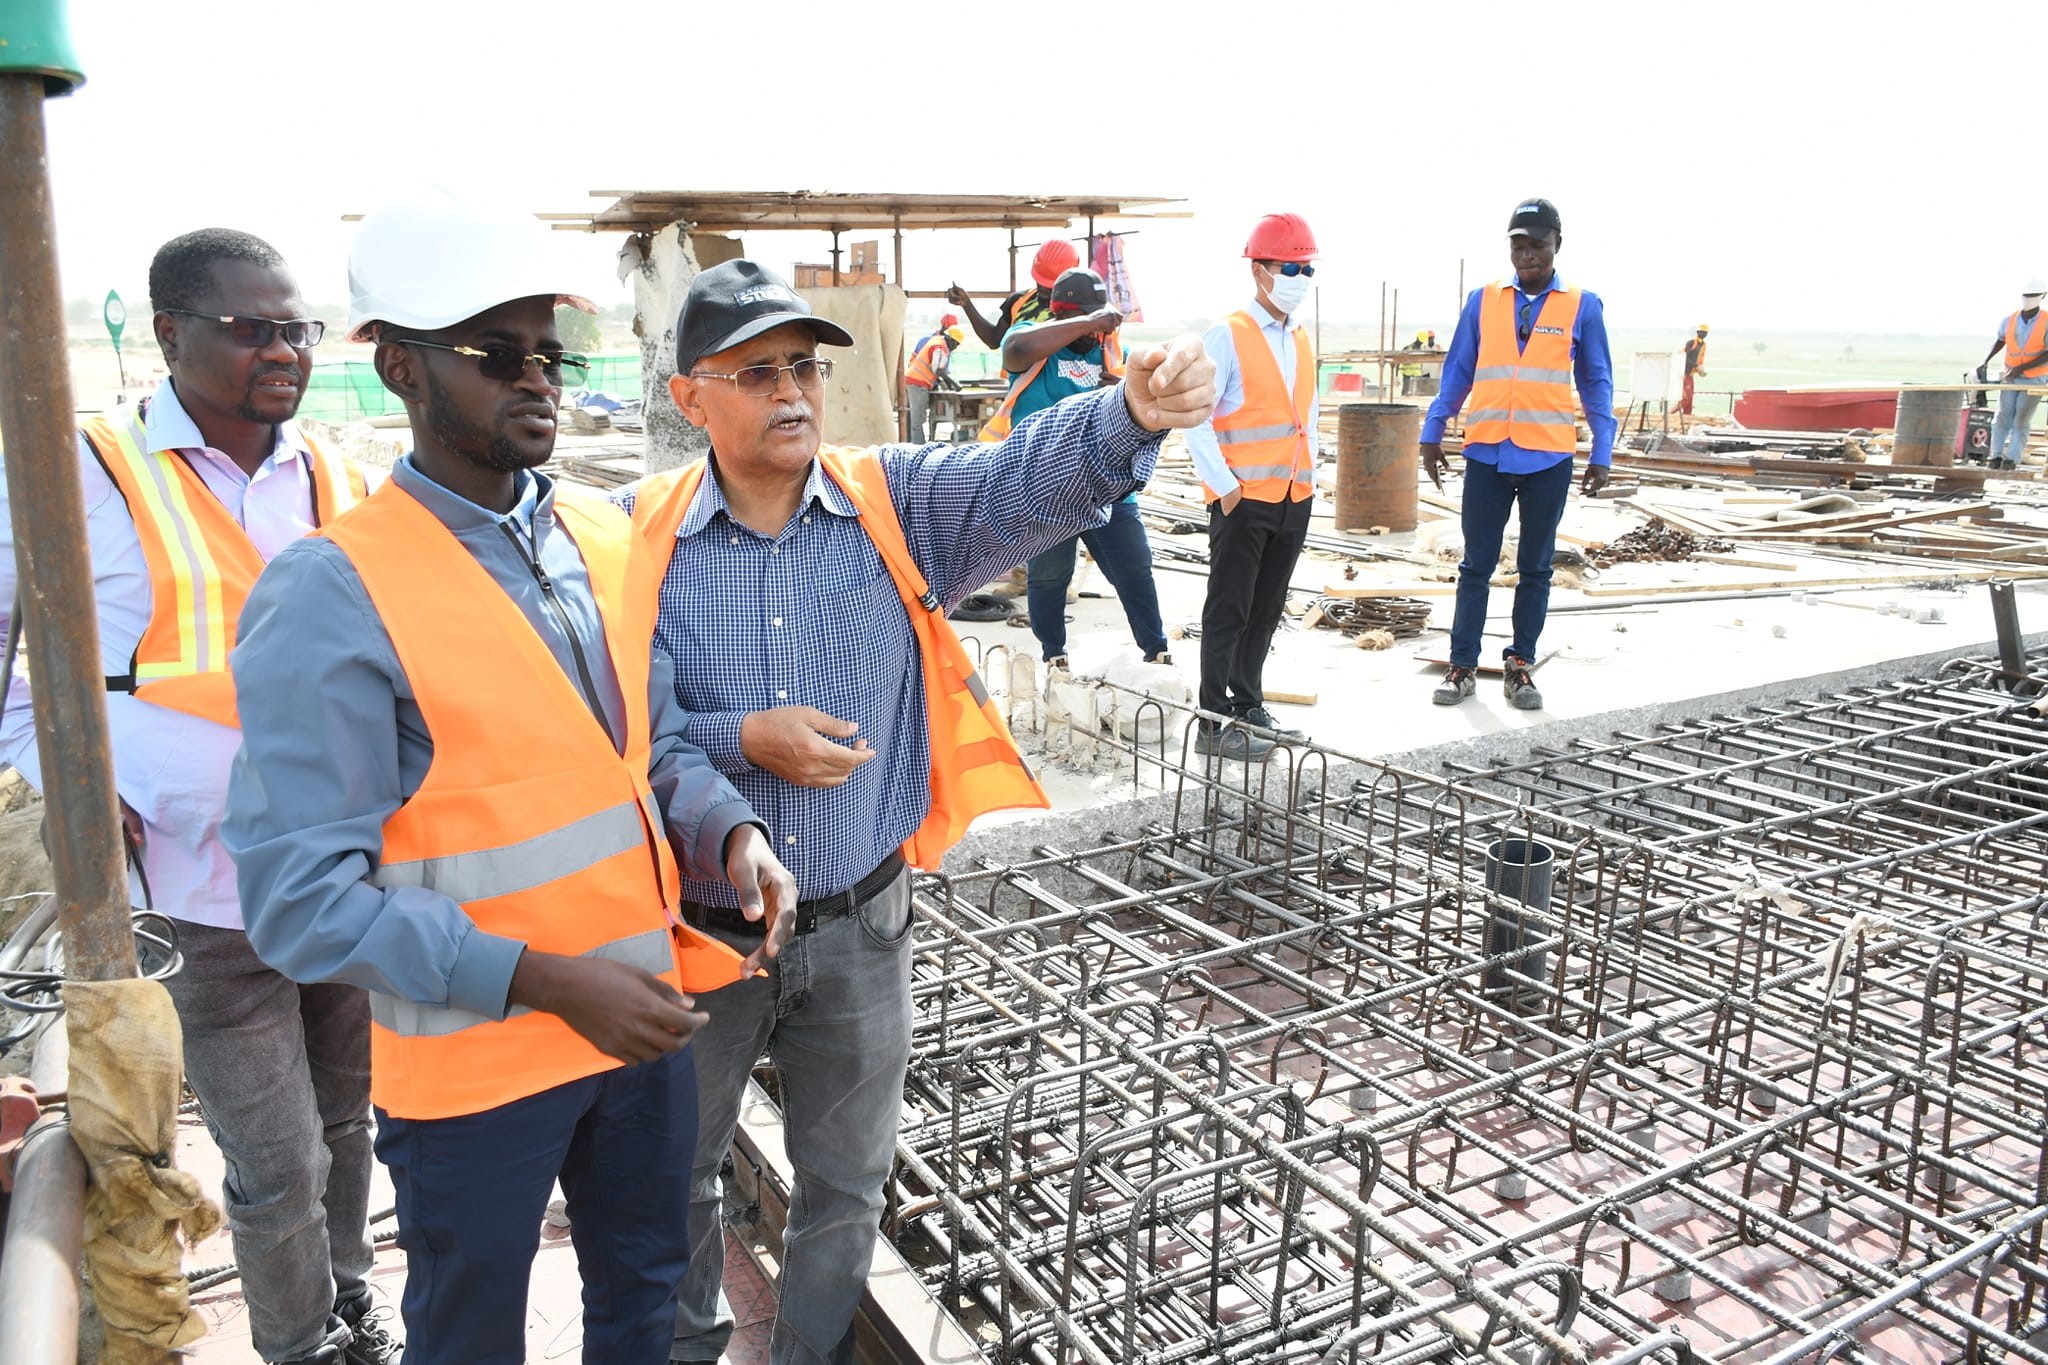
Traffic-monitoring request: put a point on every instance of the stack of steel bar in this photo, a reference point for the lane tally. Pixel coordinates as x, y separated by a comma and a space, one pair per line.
1273, 1076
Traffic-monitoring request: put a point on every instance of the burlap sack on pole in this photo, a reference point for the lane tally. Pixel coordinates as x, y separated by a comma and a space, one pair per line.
127, 1072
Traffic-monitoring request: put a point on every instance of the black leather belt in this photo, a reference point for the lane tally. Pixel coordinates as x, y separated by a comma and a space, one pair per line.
808, 913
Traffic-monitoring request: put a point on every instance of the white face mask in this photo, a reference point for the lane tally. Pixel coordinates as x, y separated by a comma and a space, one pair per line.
1288, 292
2029, 301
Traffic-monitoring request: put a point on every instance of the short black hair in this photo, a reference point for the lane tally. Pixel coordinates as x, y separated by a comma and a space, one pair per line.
181, 275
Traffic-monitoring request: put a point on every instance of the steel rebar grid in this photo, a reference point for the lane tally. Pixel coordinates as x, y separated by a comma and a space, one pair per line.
1233, 1089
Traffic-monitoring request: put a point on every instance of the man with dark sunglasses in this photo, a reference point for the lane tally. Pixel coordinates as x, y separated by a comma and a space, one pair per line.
1257, 463
464, 786
187, 495
803, 596
1520, 346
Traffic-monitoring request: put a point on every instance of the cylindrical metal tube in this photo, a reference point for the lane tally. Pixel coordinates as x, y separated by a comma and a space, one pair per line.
2005, 615
1518, 870
39, 1285
1927, 426
1376, 465
52, 557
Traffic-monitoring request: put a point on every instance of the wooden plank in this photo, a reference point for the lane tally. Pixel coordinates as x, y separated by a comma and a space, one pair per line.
1759, 585
1391, 590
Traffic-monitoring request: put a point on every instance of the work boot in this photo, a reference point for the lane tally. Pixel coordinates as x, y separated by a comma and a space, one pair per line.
370, 1339
1263, 719
1516, 686
1458, 684
1058, 663
1242, 745
1162, 658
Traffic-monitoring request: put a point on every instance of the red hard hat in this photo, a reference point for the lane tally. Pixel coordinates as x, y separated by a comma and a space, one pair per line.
1281, 237
948, 320
1054, 257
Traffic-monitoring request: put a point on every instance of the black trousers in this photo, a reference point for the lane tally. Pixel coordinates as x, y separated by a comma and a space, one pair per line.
1251, 556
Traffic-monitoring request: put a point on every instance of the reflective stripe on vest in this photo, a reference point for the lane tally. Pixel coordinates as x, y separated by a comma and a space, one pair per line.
922, 372
1524, 394
201, 564
2029, 357
1265, 438
976, 767
999, 426
528, 816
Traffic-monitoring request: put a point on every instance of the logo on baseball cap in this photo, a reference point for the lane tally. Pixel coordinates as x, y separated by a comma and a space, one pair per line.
1535, 218
737, 301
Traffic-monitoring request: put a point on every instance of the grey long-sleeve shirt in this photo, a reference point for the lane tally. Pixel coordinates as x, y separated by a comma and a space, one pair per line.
334, 742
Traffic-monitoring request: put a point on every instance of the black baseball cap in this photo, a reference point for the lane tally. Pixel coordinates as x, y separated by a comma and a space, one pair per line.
1535, 218
737, 301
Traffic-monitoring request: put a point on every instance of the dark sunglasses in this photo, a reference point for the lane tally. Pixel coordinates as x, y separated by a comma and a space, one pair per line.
255, 333
507, 364
755, 381
1289, 268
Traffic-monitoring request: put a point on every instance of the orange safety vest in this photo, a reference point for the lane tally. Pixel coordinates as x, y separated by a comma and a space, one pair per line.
201, 565
2027, 358
1265, 439
528, 815
1524, 394
1004, 420
923, 369
976, 767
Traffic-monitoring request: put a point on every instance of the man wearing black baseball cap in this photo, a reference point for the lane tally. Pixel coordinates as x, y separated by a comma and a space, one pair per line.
1520, 346
803, 591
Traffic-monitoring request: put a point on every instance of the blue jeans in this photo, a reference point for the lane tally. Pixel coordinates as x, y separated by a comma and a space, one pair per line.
2015, 417
1489, 496
1125, 556
472, 1190
833, 1014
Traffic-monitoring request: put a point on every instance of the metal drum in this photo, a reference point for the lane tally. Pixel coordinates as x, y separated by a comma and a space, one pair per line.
1377, 460
1927, 424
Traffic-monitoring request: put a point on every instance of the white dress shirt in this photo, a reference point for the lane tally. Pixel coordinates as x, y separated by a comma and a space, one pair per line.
170, 766
1210, 465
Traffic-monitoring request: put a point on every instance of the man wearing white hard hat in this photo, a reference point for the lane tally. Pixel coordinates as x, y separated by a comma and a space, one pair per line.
2024, 339
463, 786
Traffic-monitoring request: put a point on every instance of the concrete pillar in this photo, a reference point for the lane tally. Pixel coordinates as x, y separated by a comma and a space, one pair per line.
660, 269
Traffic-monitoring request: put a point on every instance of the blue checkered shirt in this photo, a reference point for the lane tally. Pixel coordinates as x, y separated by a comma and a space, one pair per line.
810, 617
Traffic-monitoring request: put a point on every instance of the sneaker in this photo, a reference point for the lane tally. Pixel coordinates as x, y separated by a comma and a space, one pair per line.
1458, 684
1242, 745
370, 1340
1162, 658
1059, 662
1260, 717
1516, 686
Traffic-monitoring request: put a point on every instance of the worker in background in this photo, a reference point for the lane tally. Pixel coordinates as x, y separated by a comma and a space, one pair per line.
1431, 337
187, 494
1519, 346
2024, 339
1026, 305
929, 369
1257, 462
803, 591
945, 320
1695, 367
464, 786
1411, 370
1077, 350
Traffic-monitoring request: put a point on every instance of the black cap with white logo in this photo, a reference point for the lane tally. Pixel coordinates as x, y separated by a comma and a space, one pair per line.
736, 302
1535, 218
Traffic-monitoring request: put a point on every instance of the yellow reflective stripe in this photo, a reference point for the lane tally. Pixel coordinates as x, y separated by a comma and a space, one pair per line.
482, 874
194, 577
649, 952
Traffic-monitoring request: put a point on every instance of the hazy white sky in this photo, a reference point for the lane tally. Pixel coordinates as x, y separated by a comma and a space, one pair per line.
1786, 166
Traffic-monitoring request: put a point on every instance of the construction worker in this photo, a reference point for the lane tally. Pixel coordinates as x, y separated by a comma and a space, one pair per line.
187, 495
1026, 305
928, 370
805, 587
1411, 370
1257, 463
1695, 367
1078, 351
1519, 346
2024, 339
463, 786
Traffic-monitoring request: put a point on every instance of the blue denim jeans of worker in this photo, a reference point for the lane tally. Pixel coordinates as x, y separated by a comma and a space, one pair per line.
833, 1015
2015, 418
1489, 496
472, 1191
282, 1072
1125, 557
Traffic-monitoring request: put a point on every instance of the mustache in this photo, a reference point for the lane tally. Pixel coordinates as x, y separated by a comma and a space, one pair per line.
790, 412
291, 372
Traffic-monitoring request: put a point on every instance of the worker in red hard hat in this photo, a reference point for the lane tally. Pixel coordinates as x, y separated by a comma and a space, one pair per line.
1054, 259
1256, 456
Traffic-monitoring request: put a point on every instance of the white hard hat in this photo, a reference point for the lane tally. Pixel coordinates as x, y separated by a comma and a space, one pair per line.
2035, 286
431, 261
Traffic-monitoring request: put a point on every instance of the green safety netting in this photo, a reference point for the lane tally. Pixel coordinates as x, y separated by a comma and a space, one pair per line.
349, 390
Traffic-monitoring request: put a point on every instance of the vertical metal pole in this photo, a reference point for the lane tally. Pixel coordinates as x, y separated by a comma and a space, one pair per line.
1381, 367
52, 558
899, 251
1459, 311
1013, 260
902, 402
45, 1237
2005, 614
835, 258
1089, 259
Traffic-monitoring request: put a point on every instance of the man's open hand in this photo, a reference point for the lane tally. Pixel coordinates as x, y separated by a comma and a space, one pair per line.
1170, 386
795, 743
765, 888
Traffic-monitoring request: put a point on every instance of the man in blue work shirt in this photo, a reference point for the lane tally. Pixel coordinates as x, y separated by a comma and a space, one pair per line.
1049, 361
1519, 346
790, 638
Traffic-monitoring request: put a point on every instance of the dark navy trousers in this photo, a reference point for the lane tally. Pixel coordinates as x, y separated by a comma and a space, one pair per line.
472, 1192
